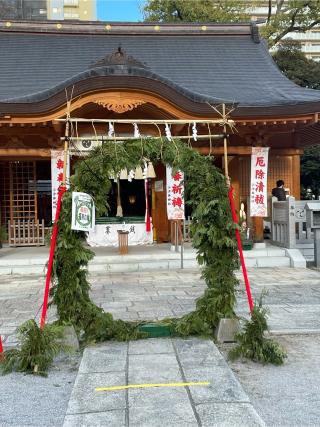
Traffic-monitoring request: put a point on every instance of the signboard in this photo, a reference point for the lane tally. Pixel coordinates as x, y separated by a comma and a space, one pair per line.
175, 194
83, 212
158, 186
259, 175
57, 162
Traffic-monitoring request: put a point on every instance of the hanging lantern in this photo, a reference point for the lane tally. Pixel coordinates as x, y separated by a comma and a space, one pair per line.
145, 170
150, 171
132, 199
138, 173
124, 174
119, 207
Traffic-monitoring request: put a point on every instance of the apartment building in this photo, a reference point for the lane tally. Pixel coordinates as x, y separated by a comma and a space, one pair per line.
310, 40
82, 10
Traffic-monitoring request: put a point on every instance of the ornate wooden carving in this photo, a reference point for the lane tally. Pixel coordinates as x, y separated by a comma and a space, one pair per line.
119, 57
120, 106
14, 142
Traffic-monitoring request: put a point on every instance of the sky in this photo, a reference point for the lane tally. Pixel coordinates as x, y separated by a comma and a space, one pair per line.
119, 10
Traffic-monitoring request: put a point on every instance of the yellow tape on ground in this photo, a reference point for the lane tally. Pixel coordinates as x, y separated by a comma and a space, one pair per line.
124, 387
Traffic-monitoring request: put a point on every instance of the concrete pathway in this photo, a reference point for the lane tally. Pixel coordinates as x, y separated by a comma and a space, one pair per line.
222, 402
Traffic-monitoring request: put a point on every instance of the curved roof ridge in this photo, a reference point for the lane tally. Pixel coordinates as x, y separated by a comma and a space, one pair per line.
114, 70
229, 66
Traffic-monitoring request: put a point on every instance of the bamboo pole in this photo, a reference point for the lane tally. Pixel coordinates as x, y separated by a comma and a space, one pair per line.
225, 147
149, 121
126, 138
66, 143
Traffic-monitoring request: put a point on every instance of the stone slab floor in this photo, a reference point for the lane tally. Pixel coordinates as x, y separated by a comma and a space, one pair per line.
293, 297
282, 396
221, 402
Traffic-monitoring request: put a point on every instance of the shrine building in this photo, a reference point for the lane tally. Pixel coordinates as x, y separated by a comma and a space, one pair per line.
143, 71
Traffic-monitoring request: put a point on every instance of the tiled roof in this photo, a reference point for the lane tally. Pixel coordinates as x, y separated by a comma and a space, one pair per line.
230, 65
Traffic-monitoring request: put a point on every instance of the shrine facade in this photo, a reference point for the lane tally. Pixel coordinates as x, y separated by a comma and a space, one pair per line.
144, 72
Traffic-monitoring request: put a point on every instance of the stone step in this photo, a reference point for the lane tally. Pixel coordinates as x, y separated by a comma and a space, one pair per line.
141, 260
268, 262
270, 251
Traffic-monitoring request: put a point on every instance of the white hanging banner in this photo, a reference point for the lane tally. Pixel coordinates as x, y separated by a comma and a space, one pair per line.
57, 162
175, 194
83, 212
259, 175
107, 234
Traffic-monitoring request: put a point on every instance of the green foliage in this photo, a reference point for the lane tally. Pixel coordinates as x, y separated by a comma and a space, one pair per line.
290, 16
8, 9
37, 349
252, 342
287, 16
195, 11
212, 230
304, 72
294, 64
310, 171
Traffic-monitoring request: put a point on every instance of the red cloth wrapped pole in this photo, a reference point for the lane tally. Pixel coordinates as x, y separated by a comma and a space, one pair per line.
148, 221
62, 190
1, 348
238, 237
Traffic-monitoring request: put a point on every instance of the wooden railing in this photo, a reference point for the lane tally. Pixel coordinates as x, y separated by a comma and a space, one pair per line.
26, 233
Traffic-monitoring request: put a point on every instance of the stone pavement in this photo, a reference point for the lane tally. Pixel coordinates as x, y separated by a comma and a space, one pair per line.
222, 402
293, 297
294, 302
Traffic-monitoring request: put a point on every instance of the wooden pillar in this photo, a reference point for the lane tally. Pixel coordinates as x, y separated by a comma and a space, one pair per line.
296, 176
257, 222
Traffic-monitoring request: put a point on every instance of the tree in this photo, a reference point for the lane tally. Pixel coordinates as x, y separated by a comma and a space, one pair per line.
7, 9
286, 16
294, 64
304, 72
283, 16
195, 11
310, 171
